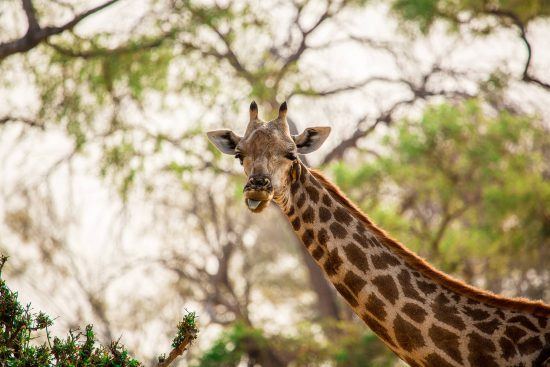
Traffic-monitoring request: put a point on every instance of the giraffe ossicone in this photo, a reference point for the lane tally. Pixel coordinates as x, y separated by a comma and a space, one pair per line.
426, 317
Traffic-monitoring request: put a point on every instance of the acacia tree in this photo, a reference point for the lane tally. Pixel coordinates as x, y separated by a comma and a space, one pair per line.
20, 326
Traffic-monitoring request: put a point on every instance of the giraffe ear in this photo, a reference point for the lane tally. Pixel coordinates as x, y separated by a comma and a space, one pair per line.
311, 139
225, 140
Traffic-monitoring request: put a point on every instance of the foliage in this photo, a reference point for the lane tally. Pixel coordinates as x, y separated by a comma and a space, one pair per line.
187, 328
460, 185
425, 12
230, 347
20, 327
342, 343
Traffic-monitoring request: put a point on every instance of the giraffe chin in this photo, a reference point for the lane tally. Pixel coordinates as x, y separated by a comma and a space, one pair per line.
257, 200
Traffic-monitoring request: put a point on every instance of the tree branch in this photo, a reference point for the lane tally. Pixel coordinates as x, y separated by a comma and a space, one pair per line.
105, 52
345, 88
419, 91
4, 120
229, 55
36, 34
305, 33
515, 19
351, 142
31, 15
177, 351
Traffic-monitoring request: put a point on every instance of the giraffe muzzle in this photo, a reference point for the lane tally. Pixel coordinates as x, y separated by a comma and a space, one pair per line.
258, 192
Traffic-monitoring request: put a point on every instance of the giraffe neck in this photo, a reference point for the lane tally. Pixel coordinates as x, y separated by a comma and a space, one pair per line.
423, 321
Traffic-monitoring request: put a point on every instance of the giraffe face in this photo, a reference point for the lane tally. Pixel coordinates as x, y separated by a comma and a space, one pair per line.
268, 154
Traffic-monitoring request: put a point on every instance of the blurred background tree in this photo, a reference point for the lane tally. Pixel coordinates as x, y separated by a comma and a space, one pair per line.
110, 188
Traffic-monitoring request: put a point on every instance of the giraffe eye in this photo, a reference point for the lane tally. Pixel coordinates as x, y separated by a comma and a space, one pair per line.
240, 157
291, 156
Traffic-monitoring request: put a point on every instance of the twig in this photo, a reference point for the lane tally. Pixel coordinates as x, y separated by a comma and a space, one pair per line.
176, 352
187, 332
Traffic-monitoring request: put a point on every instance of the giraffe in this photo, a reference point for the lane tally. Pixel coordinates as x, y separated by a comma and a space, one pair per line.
423, 315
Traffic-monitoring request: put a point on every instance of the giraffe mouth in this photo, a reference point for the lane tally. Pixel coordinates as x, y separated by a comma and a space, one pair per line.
257, 200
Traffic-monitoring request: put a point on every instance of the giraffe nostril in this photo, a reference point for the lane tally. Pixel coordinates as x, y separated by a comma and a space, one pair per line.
261, 182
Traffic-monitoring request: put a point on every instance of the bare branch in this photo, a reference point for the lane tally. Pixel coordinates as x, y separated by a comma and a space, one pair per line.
4, 120
351, 142
31, 15
419, 91
305, 33
345, 88
104, 52
229, 55
36, 34
515, 19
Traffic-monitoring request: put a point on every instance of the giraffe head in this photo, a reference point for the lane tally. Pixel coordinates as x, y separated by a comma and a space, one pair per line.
268, 154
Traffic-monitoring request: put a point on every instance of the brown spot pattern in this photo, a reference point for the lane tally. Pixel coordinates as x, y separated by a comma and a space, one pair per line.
376, 307
308, 215
302, 176
415, 312
360, 227
318, 253
447, 313
342, 216
296, 223
387, 287
542, 322
356, 256
324, 214
507, 347
524, 321
353, 282
514, 333
361, 239
480, 351
316, 182
347, 295
404, 279
312, 193
290, 212
307, 237
378, 329
446, 341
426, 287
326, 200
384, 260
294, 187
488, 327
500, 314
476, 314
333, 263
433, 360
337, 230
301, 200
407, 335
530, 345
322, 237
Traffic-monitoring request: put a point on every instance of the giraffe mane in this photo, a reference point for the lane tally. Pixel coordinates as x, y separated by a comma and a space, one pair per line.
537, 308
